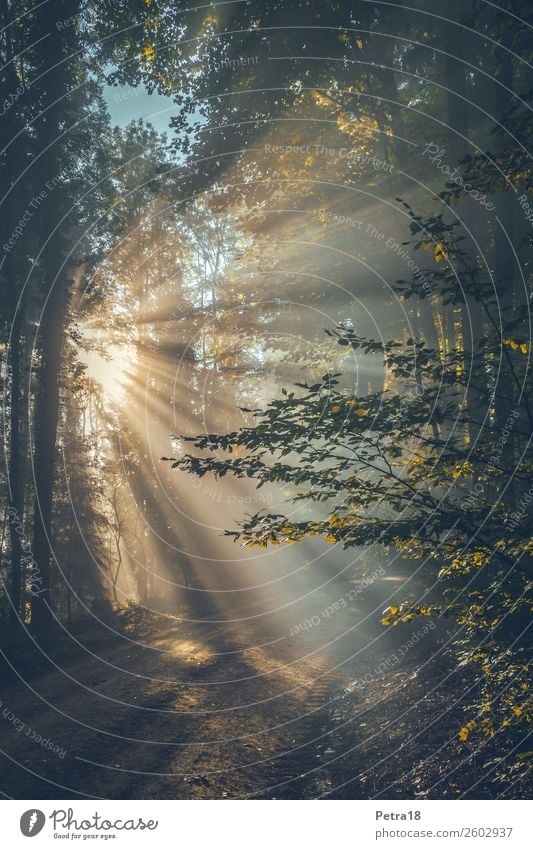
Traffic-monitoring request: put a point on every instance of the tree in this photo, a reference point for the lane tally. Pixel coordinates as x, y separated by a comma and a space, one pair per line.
395, 468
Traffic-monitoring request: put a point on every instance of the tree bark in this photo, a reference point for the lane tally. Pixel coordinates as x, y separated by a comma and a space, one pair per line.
15, 487
46, 416
56, 81
457, 148
505, 274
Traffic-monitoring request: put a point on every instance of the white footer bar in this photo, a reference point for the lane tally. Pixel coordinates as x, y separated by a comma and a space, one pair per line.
254, 824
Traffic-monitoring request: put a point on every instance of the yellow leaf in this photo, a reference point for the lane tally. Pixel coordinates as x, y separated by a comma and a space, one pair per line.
518, 711
336, 522
511, 344
440, 252
478, 558
360, 412
331, 539
359, 43
148, 52
335, 409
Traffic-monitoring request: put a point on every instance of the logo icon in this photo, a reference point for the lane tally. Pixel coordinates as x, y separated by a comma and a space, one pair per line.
32, 822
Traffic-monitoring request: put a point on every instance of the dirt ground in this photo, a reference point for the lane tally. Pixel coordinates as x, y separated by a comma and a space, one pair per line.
147, 705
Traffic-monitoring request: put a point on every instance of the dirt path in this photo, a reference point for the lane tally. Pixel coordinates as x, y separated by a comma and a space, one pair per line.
161, 708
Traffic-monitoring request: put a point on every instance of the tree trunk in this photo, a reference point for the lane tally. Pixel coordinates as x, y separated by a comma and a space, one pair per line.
58, 66
15, 487
12, 162
505, 273
457, 148
46, 416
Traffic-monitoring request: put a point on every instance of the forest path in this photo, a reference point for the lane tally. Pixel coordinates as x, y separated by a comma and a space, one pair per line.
162, 708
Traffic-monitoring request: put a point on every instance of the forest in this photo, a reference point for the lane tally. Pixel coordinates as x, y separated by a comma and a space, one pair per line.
266, 499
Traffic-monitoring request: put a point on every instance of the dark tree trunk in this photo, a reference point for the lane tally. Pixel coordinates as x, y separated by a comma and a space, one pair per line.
15, 482
382, 53
468, 214
12, 162
505, 271
57, 77
46, 416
